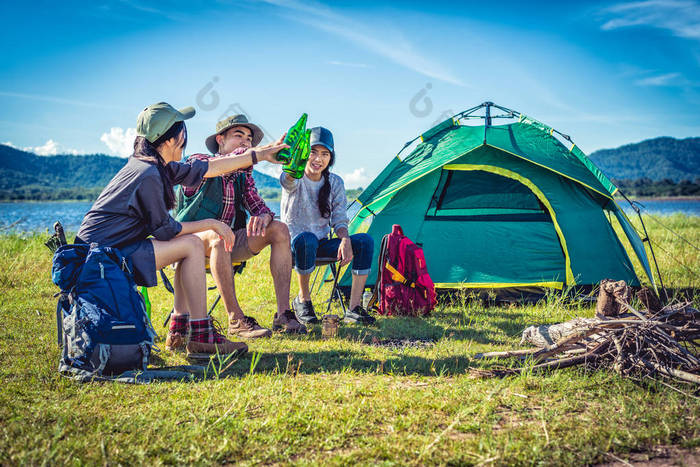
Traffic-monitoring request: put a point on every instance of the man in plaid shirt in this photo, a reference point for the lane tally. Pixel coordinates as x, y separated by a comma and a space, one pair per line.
235, 135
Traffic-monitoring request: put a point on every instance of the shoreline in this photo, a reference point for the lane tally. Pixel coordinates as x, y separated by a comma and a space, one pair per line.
17, 201
660, 198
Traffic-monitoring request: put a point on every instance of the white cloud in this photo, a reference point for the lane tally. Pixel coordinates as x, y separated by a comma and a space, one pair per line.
395, 48
119, 141
680, 17
668, 79
50, 148
356, 178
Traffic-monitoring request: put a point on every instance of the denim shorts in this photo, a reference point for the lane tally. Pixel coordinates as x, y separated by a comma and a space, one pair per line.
306, 247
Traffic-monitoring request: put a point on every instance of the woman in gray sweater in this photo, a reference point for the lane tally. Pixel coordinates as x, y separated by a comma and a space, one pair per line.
311, 207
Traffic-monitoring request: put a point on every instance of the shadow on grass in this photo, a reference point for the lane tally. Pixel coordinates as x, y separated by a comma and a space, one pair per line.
444, 324
339, 361
397, 339
432, 329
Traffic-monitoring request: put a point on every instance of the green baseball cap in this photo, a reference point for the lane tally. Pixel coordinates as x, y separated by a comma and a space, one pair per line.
155, 120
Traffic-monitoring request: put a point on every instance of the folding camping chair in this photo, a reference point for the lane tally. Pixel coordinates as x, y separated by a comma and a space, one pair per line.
335, 273
169, 286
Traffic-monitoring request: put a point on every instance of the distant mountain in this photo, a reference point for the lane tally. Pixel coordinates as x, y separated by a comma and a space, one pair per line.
264, 181
25, 175
655, 159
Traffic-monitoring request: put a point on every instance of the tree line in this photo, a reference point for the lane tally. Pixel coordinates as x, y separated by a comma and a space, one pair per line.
658, 188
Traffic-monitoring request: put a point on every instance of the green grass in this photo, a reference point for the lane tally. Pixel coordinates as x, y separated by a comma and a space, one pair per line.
338, 401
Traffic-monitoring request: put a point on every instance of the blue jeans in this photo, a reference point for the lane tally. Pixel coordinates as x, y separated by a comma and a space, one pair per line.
306, 248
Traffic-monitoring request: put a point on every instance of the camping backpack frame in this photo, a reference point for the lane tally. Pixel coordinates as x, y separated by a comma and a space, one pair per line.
403, 286
102, 323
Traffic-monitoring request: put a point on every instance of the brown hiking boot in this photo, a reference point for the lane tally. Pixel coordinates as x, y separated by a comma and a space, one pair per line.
215, 343
287, 323
247, 328
176, 341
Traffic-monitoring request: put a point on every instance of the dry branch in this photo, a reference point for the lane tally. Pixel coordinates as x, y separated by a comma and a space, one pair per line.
655, 342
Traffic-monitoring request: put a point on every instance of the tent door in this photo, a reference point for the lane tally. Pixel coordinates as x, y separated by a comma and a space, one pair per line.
477, 195
499, 210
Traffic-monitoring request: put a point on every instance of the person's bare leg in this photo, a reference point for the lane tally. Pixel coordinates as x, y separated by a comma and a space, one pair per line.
190, 288
304, 291
277, 236
358, 286
180, 306
220, 266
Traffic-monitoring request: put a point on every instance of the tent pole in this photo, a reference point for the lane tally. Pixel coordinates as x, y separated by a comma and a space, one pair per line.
406, 145
488, 112
467, 112
648, 240
487, 118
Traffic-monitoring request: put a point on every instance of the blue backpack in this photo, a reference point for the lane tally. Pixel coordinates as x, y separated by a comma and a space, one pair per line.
102, 322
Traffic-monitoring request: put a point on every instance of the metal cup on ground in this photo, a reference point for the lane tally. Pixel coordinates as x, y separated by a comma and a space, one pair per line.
329, 326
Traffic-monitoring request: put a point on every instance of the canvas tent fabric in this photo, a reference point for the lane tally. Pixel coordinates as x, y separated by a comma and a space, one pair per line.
506, 206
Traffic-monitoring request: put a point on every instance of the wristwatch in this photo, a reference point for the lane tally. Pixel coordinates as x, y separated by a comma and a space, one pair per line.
253, 157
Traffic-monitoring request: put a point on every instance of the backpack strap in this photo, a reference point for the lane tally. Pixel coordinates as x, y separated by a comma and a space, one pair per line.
241, 217
376, 293
396, 276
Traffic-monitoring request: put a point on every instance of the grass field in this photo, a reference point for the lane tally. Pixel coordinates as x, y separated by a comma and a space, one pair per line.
339, 401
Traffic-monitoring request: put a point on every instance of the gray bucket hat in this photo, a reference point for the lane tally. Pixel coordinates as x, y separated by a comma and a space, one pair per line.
230, 122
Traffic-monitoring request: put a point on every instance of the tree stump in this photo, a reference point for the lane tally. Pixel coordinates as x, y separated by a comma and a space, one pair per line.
610, 293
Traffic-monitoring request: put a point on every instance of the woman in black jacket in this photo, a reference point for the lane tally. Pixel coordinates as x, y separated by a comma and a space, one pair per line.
135, 205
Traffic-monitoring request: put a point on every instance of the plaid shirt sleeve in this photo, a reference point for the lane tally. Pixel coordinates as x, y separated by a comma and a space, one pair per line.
251, 198
191, 190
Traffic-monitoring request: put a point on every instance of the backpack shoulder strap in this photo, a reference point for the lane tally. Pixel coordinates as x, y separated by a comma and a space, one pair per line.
241, 217
380, 272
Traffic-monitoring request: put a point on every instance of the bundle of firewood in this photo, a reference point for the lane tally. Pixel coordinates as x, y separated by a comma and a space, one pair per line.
656, 341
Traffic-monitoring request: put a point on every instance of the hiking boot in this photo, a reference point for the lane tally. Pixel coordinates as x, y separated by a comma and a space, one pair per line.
247, 328
176, 341
359, 315
207, 339
287, 323
177, 332
304, 310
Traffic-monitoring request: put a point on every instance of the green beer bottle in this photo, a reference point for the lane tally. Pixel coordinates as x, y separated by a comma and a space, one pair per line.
292, 139
303, 156
297, 164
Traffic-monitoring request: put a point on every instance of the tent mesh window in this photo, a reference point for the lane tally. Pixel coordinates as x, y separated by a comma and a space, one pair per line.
478, 195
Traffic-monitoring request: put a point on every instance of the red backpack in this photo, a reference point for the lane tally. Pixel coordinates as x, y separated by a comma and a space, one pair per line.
403, 286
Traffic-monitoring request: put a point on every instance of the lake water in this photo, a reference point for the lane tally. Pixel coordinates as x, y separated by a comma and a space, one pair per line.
39, 216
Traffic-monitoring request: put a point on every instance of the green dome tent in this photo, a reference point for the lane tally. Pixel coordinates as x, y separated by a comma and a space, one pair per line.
506, 207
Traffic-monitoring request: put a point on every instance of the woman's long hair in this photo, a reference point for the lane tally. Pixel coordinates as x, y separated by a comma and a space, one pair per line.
324, 203
146, 151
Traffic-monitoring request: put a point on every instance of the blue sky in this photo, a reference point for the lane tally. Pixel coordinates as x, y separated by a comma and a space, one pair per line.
76, 74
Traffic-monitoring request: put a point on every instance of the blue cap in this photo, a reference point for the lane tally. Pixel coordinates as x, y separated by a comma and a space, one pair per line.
322, 136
